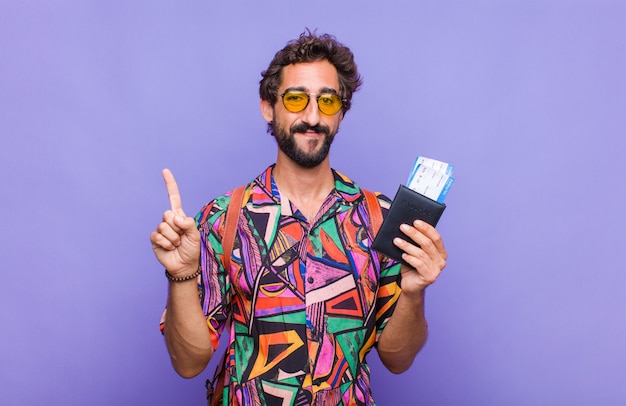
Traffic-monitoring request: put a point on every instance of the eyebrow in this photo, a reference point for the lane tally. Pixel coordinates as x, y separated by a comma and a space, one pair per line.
303, 89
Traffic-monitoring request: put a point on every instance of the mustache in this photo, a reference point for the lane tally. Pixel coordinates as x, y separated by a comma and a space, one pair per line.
302, 127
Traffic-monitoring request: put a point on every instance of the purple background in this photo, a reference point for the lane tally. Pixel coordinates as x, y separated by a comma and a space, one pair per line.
526, 98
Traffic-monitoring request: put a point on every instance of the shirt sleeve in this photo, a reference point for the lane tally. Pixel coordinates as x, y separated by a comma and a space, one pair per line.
214, 281
214, 288
389, 281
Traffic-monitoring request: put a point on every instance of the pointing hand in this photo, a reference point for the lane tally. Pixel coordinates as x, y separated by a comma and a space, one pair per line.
176, 240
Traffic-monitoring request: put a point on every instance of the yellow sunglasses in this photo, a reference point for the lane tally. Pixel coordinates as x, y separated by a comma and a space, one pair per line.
296, 101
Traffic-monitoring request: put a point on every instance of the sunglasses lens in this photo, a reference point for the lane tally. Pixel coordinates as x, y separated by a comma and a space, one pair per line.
295, 101
329, 103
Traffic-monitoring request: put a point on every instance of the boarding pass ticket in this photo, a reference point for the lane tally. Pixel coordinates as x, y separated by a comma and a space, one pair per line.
431, 178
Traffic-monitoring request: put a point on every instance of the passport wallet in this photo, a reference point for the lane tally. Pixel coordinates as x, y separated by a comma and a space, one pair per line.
406, 207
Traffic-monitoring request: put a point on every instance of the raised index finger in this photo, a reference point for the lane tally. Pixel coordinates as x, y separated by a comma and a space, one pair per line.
172, 191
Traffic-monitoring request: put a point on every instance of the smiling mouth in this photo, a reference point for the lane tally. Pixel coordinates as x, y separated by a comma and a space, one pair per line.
310, 131
313, 133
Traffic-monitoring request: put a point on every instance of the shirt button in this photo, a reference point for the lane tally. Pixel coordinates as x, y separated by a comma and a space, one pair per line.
310, 279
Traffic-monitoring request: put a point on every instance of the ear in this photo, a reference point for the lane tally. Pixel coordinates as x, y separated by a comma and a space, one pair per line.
267, 111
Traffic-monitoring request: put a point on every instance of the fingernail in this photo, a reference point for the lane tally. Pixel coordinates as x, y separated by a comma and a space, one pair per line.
405, 227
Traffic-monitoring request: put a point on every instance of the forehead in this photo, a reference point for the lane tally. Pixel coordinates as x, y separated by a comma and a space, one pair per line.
311, 76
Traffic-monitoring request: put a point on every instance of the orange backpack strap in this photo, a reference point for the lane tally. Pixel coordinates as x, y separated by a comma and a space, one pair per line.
230, 225
373, 210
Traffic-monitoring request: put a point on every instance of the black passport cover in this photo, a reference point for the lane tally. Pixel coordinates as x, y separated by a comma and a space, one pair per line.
407, 206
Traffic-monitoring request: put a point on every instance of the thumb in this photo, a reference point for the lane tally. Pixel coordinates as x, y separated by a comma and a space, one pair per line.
186, 224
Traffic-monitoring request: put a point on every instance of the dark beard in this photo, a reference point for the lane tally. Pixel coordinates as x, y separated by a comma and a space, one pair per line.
287, 143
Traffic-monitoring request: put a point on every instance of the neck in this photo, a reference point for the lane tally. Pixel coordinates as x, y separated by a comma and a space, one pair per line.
307, 188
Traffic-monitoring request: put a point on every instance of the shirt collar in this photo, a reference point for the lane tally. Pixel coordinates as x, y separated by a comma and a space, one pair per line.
345, 189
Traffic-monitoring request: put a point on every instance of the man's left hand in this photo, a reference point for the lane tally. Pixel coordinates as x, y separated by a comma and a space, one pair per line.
426, 259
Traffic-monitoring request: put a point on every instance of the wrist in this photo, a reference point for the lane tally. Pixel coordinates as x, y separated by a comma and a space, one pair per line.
414, 297
183, 278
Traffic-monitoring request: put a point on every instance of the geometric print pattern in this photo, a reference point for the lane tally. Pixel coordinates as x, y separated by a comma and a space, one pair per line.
303, 302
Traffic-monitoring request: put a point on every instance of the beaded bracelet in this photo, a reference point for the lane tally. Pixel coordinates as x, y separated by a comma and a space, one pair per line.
173, 278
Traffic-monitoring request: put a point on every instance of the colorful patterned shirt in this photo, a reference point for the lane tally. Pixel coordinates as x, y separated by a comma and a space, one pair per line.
304, 301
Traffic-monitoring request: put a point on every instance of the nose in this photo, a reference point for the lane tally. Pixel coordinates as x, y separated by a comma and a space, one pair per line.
311, 114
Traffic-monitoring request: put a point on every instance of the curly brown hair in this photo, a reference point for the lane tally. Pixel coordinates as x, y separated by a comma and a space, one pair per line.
310, 47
